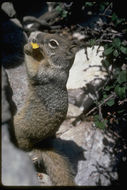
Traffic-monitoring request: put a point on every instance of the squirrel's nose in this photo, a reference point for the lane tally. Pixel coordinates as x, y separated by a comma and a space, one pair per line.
34, 40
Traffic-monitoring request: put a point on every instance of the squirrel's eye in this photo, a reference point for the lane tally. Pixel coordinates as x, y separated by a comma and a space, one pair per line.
53, 43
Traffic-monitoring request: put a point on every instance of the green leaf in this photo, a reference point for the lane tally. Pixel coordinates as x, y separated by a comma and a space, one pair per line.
106, 63
116, 42
58, 8
105, 96
108, 88
110, 102
122, 77
119, 20
114, 17
100, 124
123, 49
96, 117
115, 53
120, 111
64, 14
120, 91
102, 7
89, 4
92, 42
108, 51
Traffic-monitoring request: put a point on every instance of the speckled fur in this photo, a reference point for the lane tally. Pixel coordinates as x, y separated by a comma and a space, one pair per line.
39, 118
47, 103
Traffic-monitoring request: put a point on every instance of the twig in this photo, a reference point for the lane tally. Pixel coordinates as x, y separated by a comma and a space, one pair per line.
108, 16
100, 112
105, 100
107, 8
122, 102
102, 40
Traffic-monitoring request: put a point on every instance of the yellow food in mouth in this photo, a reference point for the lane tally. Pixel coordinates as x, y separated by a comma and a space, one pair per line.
34, 45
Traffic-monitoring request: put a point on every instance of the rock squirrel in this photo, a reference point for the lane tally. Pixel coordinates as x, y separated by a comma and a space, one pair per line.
48, 60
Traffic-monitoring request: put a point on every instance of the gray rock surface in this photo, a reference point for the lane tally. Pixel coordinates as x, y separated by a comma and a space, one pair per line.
86, 76
18, 80
6, 114
17, 168
98, 160
8, 8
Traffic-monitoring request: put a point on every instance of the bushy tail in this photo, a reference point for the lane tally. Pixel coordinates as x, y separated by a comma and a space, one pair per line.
57, 167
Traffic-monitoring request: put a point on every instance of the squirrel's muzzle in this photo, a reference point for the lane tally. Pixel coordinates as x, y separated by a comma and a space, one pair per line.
34, 50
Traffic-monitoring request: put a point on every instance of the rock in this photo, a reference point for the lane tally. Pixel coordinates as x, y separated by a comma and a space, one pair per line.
73, 111
97, 166
78, 35
86, 70
66, 125
6, 114
44, 179
17, 168
18, 82
8, 8
86, 76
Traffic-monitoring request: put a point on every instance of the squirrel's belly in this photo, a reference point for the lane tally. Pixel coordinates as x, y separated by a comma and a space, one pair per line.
37, 124
47, 124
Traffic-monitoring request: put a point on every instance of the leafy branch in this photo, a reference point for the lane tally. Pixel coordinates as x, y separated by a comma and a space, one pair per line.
110, 97
111, 34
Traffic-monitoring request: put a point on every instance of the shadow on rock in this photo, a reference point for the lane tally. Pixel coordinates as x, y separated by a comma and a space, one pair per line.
67, 148
7, 103
71, 150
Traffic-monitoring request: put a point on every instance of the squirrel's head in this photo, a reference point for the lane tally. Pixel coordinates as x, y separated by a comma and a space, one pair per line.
49, 58
55, 50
